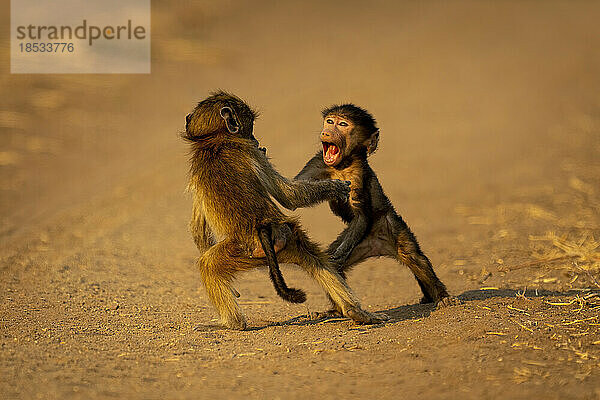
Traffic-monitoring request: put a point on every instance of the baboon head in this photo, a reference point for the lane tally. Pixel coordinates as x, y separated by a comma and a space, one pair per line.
348, 131
220, 114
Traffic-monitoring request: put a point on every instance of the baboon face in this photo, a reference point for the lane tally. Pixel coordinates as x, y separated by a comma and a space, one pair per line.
335, 135
348, 130
221, 113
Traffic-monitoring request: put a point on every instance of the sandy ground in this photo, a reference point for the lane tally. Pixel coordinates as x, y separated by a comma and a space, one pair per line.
490, 142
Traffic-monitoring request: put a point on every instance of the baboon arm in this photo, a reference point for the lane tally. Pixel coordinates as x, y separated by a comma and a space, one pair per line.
313, 170
295, 194
355, 232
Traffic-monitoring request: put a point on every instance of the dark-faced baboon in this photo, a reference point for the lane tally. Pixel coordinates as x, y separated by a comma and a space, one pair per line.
232, 183
374, 229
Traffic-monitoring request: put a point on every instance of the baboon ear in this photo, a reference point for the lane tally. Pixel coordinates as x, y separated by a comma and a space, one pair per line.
187, 121
230, 119
372, 143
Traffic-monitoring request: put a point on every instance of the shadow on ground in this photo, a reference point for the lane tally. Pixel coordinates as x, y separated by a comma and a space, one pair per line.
412, 311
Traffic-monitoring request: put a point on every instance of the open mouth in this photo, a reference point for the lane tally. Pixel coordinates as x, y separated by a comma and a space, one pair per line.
331, 153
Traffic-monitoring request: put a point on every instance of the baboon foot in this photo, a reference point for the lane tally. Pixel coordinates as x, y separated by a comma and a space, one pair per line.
237, 323
447, 302
361, 316
332, 313
426, 300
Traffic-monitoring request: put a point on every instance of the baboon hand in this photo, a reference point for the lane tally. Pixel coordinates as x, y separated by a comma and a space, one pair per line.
342, 190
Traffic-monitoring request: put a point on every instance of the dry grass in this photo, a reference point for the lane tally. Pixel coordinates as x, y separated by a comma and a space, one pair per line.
570, 325
576, 256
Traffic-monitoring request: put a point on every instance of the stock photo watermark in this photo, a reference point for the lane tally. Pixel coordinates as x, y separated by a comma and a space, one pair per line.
80, 36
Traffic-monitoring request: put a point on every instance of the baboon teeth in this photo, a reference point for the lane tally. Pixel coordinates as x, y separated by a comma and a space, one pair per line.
330, 153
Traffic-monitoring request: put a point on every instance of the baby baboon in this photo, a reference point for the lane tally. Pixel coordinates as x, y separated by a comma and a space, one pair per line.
233, 181
270, 238
374, 228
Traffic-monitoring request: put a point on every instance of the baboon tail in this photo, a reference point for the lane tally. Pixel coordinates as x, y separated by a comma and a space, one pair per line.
288, 294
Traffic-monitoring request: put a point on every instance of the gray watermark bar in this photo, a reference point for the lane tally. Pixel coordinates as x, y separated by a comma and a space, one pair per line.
80, 36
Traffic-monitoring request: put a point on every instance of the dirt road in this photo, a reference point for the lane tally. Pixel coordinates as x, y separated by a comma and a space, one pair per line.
490, 149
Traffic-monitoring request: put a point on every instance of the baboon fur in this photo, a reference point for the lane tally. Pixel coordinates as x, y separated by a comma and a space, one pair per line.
374, 228
233, 186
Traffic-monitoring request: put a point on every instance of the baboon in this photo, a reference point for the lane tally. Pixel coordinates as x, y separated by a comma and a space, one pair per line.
271, 238
232, 183
374, 228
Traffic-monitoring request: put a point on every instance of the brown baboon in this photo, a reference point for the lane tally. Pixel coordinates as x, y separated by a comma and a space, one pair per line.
374, 228
270, 238
232, 182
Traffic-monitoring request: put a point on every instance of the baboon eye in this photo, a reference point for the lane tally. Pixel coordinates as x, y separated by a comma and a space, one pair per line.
329, 121
342, 123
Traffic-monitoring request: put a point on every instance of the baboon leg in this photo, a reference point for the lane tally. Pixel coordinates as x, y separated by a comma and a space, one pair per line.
379, 242
217, 269
410, 254
305, 253
390, 237
358, 255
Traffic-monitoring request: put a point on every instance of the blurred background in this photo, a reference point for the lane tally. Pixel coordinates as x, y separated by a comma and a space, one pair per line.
470, 97
485, 109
